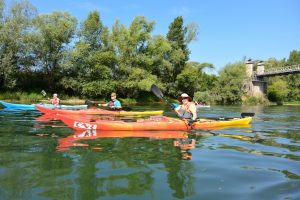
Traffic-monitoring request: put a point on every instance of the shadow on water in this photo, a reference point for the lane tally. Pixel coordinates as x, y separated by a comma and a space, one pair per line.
43, 159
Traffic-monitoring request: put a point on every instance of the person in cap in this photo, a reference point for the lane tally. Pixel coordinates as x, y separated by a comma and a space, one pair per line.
113, 104
55, 100
187, 109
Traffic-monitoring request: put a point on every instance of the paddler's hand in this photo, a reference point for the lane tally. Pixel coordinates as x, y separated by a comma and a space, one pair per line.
190, 122
172, 106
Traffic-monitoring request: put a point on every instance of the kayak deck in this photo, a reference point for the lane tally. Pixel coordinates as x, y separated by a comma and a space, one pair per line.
32, 106
95, 111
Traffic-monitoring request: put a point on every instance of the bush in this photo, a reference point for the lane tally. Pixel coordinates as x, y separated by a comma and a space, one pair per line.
256, 101
203, 97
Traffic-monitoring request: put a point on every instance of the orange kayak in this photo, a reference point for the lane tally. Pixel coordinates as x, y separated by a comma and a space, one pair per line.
153, 123
96, 111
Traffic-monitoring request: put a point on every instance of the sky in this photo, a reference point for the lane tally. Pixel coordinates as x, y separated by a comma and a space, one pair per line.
229, 30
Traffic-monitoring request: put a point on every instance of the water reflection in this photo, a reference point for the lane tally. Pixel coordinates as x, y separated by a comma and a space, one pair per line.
74, 140
253, 162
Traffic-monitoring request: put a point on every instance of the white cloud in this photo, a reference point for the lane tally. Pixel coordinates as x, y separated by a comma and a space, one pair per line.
183, 11
89, 6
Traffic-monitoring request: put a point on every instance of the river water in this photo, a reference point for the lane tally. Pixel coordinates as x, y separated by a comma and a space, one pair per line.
43, 159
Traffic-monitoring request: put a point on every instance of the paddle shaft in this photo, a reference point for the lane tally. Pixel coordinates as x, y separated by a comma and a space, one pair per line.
160, 95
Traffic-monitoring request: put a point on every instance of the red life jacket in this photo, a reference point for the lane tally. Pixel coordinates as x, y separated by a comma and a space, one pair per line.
55, 101
111, 104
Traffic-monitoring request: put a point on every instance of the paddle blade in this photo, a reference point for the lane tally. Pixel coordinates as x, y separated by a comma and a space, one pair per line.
157, 91
44, 93
89, 104
126, 109
247, 115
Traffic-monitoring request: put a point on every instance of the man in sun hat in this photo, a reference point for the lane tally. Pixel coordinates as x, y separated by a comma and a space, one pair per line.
187, 109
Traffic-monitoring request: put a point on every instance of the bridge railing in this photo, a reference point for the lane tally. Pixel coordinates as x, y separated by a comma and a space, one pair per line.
282, 69
257, 78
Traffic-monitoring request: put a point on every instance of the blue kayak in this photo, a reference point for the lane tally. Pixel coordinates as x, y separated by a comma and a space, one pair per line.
18, 106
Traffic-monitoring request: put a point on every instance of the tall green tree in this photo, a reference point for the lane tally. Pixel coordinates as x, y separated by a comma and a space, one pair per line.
131, 47
159, 48
180, 52
55, 32
92, 60
179, 37
16, 41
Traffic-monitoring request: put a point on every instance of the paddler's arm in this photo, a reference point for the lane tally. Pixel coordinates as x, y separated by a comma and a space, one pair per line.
193, 110
103, 104
176, 110
117, 105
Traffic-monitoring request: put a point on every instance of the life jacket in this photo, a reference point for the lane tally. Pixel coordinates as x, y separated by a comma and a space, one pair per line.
184, 111
55, 101
111, 104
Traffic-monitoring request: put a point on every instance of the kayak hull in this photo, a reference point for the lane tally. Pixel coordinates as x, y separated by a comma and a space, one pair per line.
96, 111
154, 123
32, 106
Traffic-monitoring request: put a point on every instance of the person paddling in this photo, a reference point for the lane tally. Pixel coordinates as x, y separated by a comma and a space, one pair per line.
114, 104
55, 100
187, 109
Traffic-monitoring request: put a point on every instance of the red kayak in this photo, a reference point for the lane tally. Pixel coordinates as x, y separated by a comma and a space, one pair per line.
96, 111
153, 123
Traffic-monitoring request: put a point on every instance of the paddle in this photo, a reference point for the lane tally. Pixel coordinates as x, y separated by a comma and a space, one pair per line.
93, 104
44, 94
160, 95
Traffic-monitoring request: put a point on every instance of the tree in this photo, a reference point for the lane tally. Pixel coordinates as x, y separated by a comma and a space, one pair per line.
55, 32
228, 88
293, 80
277, 90
92, 61
158, 48
180, 52
192, 78
16, 42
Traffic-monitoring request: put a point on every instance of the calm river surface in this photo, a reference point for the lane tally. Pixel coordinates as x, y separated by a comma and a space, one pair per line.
43, 159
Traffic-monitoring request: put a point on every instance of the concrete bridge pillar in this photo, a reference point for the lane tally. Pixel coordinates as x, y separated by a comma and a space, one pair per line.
260, 68
259, 85
252, 85
249, 68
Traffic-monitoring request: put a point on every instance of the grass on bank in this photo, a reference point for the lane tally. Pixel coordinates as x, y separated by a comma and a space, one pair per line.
292, 103
24, 97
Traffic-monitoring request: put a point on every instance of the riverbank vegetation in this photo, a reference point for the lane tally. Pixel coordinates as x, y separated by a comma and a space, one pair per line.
89, 60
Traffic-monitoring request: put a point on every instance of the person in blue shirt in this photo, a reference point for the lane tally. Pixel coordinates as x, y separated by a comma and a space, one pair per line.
113, 104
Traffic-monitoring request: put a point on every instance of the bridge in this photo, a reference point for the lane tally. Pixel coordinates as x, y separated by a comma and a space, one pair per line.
293, 69
256, 83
